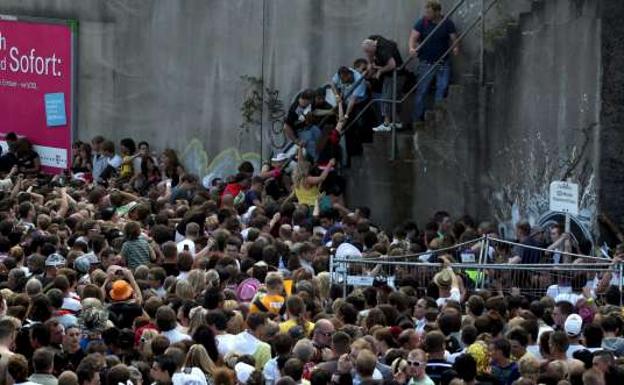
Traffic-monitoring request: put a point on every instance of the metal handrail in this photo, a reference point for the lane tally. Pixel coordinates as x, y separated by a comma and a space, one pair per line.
394, 101
447, 15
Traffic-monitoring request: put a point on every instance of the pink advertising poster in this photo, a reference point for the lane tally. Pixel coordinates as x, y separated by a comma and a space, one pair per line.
36, 86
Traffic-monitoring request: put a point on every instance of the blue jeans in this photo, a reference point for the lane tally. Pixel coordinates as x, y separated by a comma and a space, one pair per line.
310, 135
442, 75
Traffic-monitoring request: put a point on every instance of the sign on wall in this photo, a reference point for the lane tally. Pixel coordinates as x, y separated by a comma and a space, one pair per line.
564, 197
37, 85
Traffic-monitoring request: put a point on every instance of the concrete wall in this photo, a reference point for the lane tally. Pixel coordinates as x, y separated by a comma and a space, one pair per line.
543, 73
170, 72
544, 108
611, 156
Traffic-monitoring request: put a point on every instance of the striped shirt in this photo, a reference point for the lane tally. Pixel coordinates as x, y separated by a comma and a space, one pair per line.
136, 252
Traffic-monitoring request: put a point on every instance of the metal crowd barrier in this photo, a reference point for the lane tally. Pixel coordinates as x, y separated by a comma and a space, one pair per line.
479, 271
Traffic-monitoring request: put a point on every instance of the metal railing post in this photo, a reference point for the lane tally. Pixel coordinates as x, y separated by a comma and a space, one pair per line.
479, 262
621, 269
331, 270
486, 249
482, 47
393, 153
344, 283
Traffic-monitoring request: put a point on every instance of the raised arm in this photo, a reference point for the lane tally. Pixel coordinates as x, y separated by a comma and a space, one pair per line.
316, 180
62, 212
341, 116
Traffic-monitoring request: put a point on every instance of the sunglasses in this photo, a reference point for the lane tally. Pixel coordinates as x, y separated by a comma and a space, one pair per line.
325, 334
415, 363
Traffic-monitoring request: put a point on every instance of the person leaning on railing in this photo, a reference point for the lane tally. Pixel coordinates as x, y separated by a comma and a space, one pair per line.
384, 58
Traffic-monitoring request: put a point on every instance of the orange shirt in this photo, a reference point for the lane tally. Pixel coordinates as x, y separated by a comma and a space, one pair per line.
272, 302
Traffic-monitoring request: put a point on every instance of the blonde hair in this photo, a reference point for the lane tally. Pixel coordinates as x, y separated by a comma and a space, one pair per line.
198, 357
236, 324
197, 279
184, 290
324, 286
529, 367
274, 281
17, 253
197, 318
230, 304
146, 338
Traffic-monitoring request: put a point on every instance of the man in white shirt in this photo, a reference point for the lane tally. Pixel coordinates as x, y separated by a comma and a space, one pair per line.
188, 243
167, 323
448, 286
573, 327
420, 310
226, 342
248, 341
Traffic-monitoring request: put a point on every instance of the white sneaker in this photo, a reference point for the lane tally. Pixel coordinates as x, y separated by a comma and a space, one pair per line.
398, 126
382, 128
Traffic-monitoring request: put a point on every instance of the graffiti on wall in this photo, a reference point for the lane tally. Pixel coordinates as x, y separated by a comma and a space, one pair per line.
196, 160
525, 191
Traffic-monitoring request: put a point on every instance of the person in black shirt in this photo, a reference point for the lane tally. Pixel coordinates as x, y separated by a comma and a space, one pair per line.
526, 255
384, 58
28, 161
125, 296
8, 158
436, 363
299, 127
430, 53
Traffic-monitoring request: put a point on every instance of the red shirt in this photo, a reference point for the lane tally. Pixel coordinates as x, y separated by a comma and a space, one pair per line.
232, 189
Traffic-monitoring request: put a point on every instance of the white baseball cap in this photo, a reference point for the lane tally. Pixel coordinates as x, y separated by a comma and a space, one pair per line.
243, 372
573, 325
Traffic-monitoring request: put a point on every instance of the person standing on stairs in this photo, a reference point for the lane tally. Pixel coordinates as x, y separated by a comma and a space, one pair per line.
384, 58
350, 86
430, 53
299, 126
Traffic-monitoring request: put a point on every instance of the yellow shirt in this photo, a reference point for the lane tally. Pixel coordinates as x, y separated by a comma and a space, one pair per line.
287, 325
126, 169
307, 196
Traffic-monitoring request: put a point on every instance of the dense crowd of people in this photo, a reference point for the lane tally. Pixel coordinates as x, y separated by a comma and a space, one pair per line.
127, 270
